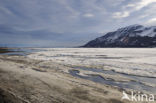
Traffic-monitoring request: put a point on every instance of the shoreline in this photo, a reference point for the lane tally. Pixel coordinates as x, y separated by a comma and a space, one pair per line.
38, 81
18, 76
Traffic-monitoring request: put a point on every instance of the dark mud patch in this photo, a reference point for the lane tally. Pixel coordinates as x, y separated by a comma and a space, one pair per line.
114, 101
39, 70
4, 50
6, 97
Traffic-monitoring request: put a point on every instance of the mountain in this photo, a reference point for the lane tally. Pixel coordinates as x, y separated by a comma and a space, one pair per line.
130, 36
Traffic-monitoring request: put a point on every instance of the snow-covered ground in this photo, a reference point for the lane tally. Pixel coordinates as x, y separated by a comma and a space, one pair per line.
135, 61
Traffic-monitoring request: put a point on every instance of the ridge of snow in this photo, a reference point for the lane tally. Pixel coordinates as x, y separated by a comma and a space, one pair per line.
144, 31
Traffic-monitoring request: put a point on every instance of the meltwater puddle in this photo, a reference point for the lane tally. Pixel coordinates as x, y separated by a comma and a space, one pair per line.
150, 80
20, 51
137, 82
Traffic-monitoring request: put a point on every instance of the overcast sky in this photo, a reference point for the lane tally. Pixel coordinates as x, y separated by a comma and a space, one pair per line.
68, 22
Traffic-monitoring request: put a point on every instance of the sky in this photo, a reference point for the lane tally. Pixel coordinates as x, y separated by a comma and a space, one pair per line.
68, 23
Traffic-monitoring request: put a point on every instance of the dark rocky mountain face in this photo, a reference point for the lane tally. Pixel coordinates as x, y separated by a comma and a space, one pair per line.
131, 36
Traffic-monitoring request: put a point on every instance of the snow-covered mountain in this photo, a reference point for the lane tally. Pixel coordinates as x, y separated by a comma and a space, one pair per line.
130, 36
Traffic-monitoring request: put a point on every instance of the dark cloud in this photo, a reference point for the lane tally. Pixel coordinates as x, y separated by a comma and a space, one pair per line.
67, 22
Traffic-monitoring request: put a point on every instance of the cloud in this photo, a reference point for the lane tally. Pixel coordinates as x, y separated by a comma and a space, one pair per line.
151, 22
59, 19
137, 5
88, 15
143, 3
131, 7
120, 14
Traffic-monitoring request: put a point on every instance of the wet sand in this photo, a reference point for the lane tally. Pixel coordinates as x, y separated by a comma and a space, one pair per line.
23, 80
129, 68
29, 80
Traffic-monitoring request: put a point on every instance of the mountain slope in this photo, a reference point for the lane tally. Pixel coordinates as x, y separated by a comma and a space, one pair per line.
130, 36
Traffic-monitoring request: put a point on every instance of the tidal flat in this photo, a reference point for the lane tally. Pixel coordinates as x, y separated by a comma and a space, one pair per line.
76, 75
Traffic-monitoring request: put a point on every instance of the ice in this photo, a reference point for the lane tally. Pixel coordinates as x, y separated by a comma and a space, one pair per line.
135, 61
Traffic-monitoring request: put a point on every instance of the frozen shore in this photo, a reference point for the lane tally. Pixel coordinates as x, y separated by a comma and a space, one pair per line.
134, 61
24, 80
72, 75
132, 68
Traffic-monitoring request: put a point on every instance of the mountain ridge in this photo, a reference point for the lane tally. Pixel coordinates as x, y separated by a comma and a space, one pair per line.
130, 36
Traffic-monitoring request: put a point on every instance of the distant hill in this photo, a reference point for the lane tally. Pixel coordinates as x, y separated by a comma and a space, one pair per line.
130, 36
